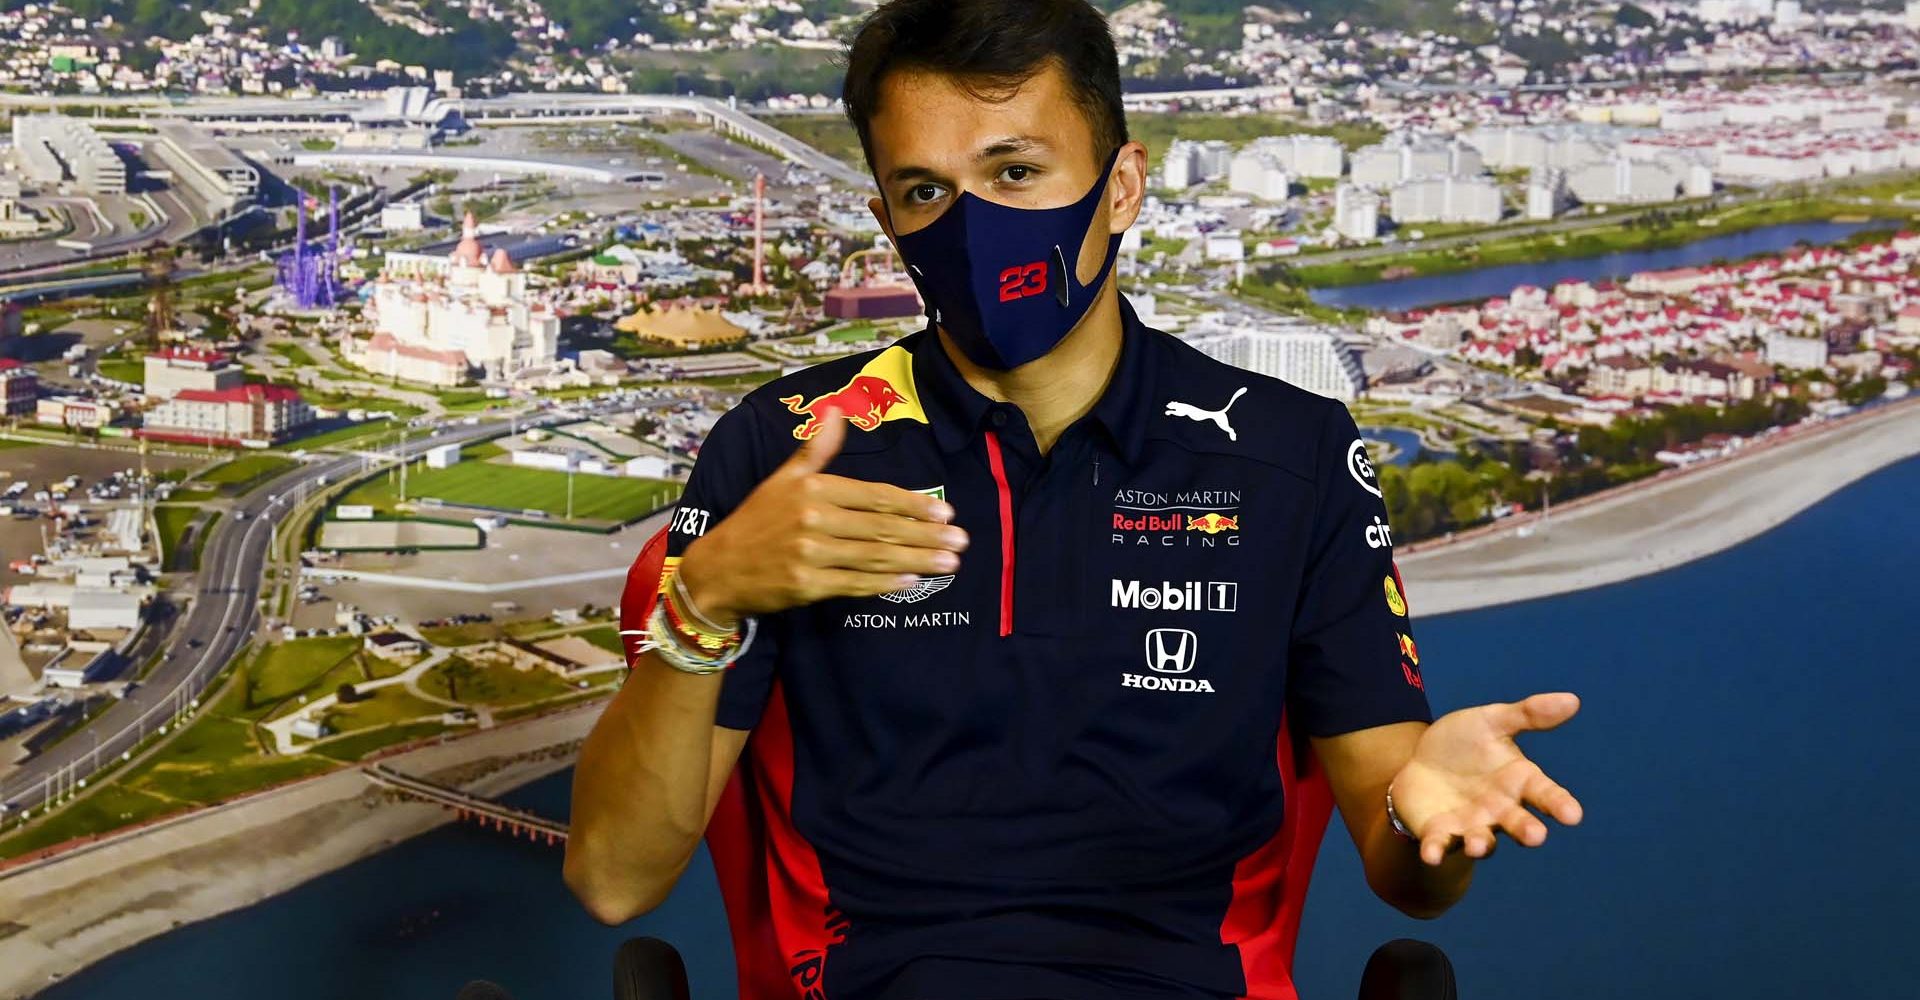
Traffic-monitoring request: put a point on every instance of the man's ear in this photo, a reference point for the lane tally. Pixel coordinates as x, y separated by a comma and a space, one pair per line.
878, 207
1128, 192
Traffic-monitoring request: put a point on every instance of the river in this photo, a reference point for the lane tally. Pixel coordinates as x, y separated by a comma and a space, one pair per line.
1744, 753
1486, 282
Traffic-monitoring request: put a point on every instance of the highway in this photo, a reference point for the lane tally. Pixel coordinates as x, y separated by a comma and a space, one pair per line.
219, 623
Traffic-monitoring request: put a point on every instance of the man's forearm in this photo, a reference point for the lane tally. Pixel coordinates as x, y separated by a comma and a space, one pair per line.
1397, 875
640, 790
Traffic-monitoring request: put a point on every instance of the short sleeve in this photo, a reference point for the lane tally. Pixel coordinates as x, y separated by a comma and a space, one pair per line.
728, 468
1354, 663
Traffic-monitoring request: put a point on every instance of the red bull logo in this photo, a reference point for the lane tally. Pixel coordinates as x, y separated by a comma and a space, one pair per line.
1148, 522
1408, 649
1214, 524
868, 400
865, 401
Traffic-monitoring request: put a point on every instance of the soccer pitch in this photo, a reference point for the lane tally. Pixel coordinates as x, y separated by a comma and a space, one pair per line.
517, 488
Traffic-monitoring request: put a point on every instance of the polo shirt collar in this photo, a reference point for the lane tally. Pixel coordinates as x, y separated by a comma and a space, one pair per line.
957, 410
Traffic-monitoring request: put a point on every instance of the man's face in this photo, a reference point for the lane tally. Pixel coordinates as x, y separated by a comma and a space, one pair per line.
933, 140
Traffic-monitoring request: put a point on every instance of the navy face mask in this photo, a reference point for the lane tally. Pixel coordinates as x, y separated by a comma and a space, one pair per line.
1002, 280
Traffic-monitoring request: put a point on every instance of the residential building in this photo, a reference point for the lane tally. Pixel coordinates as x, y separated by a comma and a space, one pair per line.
241, 414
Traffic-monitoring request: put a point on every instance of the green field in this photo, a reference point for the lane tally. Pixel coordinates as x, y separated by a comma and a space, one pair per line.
121, 368
295, 354
172, 520
513, 488
473, 684
240, 475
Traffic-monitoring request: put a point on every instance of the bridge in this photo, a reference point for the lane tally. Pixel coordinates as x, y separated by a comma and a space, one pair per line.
481, 810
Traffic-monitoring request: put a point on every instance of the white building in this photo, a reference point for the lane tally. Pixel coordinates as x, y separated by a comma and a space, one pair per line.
1317, 156
103, 609
1225, 245
1547, 194
217, 174
1626, 181
1189, 163
444, 456
1310, 358
56, 149
1446, 198
170, 370
403, 217
437, 317
1792, 351
1356, 213
1402, 157
1259, 174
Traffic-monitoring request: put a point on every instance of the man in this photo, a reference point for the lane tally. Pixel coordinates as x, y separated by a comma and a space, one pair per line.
1038, 595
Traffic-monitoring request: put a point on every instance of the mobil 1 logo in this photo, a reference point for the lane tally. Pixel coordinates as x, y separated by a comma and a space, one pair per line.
1170, 595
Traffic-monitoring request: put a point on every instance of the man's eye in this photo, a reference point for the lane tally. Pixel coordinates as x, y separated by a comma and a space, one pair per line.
1016, 173
923, 193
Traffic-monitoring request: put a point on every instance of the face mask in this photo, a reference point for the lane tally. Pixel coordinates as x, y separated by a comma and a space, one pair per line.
1002, 280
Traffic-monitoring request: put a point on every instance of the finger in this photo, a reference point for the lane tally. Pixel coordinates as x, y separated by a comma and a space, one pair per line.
1479, 843
873, 557
819, 584
815, 452
1524, 827
1438, 836
892, 529
880, 498
1546, 795
1536, 713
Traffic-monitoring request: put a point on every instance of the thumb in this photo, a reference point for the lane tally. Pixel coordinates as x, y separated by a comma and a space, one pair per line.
818, 450
1538, 712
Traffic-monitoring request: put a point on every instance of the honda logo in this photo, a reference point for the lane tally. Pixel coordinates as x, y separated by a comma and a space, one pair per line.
1172, 650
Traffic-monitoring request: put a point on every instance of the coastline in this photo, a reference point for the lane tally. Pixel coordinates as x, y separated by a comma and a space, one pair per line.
69, 911
65, 912
1659, 524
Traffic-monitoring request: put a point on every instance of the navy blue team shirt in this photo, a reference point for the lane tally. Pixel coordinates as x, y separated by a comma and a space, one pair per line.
1038, 777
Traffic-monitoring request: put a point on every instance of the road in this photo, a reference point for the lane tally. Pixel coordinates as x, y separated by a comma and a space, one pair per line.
218, 624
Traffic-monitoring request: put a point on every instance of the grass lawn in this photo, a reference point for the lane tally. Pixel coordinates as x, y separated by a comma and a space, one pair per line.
347, 434
237, 476
383, 707
606, 637
173, 520
461, 635
474, 684
110, 807
121, 368
295, 354
353, 746
288, 668
515, 488
830, 134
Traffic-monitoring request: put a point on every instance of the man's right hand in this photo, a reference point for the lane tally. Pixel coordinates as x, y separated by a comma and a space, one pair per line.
803, 536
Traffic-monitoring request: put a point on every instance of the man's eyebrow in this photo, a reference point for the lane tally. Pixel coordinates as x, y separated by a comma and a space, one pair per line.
1011, 145
912, 173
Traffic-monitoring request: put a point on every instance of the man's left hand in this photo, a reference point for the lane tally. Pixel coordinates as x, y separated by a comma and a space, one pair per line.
1468, 779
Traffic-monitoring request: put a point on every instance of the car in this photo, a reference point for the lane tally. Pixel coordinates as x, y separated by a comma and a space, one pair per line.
194, 644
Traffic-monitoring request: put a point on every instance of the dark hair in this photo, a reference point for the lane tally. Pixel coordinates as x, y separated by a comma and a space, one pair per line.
991, 47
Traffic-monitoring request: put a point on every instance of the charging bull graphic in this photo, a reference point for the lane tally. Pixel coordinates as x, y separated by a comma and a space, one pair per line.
882, 391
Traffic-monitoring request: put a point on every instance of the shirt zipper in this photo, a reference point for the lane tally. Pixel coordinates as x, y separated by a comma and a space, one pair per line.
999, 469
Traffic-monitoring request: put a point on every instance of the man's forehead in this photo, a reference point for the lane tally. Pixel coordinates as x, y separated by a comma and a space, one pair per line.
924, 110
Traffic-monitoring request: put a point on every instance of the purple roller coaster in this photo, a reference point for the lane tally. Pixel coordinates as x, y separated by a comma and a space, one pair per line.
308, 274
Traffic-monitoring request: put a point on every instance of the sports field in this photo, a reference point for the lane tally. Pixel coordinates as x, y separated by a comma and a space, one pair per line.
516, 488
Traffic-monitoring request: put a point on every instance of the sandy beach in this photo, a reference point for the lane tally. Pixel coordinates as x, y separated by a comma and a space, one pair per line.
77, 908
1648, 528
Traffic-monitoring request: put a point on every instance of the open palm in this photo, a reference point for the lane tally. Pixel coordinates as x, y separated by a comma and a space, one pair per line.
1468, 778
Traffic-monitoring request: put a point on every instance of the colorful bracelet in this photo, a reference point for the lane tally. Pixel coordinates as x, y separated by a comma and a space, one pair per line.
665, 641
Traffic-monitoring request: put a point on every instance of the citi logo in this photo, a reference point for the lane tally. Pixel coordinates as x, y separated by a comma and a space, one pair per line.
1379, 534
1192, 595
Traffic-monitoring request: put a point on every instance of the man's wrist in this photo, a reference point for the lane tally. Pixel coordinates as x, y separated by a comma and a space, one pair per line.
1398, 825
708, 597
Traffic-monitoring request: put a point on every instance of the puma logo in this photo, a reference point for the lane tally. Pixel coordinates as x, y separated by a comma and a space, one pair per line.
1218, 417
